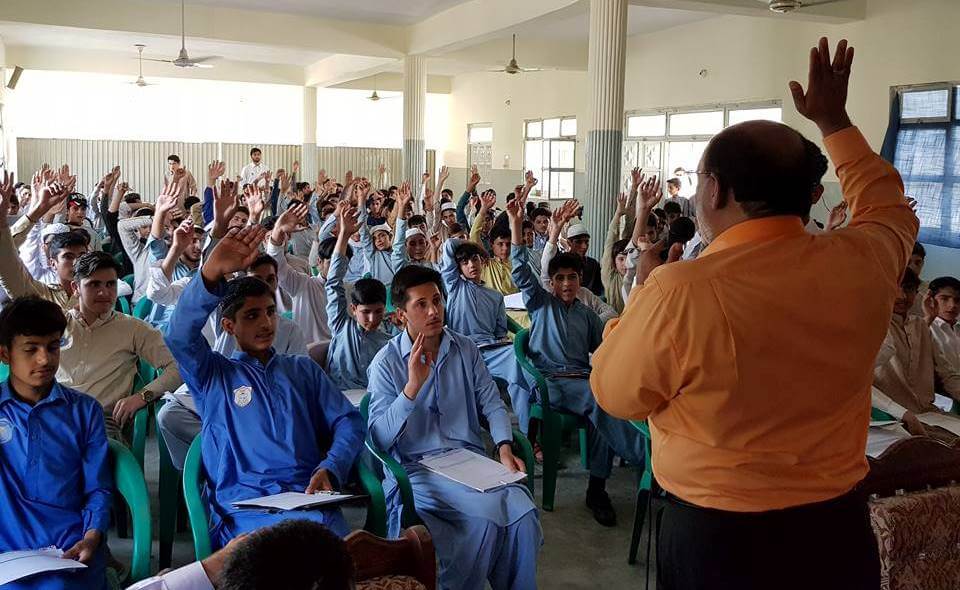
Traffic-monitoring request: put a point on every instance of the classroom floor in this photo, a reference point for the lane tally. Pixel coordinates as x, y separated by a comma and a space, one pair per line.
577, 552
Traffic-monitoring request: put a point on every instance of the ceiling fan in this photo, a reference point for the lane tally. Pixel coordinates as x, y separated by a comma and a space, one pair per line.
785, 6
140, 81
183, 60
374, 97
513, 67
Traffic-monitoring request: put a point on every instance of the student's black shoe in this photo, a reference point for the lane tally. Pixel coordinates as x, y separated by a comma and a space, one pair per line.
599, 502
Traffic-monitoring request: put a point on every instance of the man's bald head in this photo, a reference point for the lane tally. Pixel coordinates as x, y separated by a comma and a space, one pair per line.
766, 167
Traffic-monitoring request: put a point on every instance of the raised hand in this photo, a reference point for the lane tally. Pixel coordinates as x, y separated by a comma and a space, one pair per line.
50, 199
529, 180
215, 170
403, 199
167, 199
428, 201
182, 236
234, 252
569, 210
295, 169
255, 203
838, 215
348, 178
488, 200
825, 100
288, 222
442, 176
650, 259
636, 177
514, 209
418, 368
347, 218
6, 193
474, 179
649, 192
621, 204
425, 177
225, 204
929, 308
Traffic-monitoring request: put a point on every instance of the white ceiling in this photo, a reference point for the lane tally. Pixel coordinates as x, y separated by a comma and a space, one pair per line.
394, 12
574, 24
158, 46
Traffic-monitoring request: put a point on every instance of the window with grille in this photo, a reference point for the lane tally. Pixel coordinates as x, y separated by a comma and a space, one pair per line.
550, 150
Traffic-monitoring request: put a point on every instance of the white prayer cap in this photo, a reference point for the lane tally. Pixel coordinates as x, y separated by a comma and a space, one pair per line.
413, 231
448, 207
382, 227
52, 229
577, 230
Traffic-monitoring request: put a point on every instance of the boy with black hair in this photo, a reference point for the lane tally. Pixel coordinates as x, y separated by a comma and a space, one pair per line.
478, 312
429, 388
270, 422
410, 244
355, 329
376, 245
55, 483
673, 211
564, 333
673, 196
917, 258
942, 308
540, 219
254, 168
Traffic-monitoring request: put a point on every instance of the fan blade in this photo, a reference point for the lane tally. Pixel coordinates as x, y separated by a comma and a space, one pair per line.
818, 3
196, 65
500, 71
165, 61
532, 69
198, 60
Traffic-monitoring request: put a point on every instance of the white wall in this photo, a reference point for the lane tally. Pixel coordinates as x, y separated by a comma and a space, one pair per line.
746, 58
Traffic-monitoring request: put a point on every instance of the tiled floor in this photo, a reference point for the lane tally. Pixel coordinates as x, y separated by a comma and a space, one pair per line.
577, 552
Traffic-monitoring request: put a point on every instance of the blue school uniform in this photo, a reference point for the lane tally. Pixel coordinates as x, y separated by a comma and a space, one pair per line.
479, 536
399, 257
479, 313
266, 428
55, 481
351, 347
377, 263
562, 337
160, 314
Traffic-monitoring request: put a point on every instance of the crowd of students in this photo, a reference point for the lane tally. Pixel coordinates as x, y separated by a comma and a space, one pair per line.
404, 292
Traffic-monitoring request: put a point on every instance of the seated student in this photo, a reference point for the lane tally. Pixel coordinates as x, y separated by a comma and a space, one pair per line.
529, 237
102, 346
559, 218
55, 483
672, 212
270, 422
180, 260
540, 219
579, 240
178, 419
410, 245
429, 388
308, 293
496, 268
293, 555
564, 332
613, 261
478, 312
909, 363
76, 217
375, 243
356, 330
917, 259
942, 303
134, 232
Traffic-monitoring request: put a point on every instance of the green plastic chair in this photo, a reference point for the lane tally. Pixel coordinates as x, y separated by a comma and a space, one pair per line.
878, 414
287, 315
646, 489
141, 420
129, 279
408, 517
123, 306
553, 423
4, 371
143, 308
193, 482
128, 480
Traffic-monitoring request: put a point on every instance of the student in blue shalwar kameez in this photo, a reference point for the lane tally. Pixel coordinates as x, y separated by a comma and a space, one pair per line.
429, 388
478, 312
55, 482
564, 332
355, 330
271, 423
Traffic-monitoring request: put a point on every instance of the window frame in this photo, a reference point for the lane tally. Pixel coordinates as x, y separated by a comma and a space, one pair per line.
546, 167
950, 87
472, 126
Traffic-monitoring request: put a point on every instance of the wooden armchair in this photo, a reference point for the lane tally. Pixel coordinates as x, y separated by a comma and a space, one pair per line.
407, 563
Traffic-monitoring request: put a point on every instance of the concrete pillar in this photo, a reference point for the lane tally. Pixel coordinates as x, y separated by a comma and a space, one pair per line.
606, 64
414, 113
308, 154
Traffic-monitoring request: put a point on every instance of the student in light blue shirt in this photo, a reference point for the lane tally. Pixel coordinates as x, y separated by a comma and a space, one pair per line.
355, 330
375, 244
55, 483
410, 243
478, 312
271, 423
429, 388
564, 332
186, 245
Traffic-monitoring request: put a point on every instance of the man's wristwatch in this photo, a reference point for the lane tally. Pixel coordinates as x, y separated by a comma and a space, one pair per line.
147, 396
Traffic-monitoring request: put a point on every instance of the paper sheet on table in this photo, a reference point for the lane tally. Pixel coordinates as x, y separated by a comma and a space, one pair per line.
880, 438
293, 500
15, 565
472, 470
355, 396
945, 421
943, 402
514, 301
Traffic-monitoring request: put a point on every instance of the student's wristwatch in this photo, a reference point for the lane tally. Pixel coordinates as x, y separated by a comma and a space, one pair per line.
147, 396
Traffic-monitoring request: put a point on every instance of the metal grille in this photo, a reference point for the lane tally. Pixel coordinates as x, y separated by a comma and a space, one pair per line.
364, 162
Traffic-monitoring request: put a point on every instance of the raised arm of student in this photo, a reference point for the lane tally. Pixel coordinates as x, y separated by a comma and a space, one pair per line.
198, 363
558, 220
337, 314
14, 277
607, 267
399, 255
292, 281
465, 197
487, 202
881, 220
534, 295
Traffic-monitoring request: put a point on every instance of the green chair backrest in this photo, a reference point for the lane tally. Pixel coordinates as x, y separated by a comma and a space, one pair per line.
143, 308
128, 479
520, 349
287, 315
193, 497
4, 371
129, 279
123, 306
878, 414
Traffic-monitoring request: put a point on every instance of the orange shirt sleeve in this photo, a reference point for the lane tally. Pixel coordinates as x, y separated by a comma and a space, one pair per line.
872, 187
637, 369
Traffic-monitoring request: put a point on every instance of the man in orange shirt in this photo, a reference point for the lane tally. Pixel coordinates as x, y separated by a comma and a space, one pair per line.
757, 408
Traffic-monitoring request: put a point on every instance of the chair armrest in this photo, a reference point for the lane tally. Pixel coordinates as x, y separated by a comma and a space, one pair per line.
403, 482
193, 498
128, 479
524, 450
377, 512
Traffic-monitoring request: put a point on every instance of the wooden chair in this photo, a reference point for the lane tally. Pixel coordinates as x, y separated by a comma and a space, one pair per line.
407, 562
